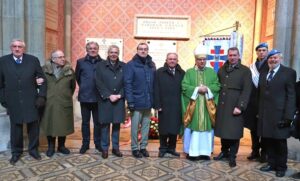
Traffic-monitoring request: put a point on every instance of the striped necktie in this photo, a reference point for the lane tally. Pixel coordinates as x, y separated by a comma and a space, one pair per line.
270, 77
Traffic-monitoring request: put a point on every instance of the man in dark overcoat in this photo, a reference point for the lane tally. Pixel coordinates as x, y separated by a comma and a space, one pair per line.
250, 115
277, 106
235, 80
22, 97
167, 92
88, 95
109, 82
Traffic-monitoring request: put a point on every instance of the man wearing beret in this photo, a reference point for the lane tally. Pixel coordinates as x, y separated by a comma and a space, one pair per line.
277, 106
250, 115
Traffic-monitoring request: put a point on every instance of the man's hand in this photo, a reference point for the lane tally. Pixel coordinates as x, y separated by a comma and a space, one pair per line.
202, 89
237, 111
131, 108
114, 98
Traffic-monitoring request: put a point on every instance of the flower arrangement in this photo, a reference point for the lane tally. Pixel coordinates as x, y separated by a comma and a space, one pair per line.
153, 131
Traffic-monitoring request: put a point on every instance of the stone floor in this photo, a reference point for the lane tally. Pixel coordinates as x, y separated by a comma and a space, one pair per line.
91, 166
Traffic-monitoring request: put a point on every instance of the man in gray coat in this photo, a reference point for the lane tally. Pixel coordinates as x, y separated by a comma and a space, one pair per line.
22, 97
235, 80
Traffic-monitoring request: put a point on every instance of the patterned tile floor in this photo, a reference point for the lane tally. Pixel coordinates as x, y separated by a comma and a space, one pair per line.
91, 166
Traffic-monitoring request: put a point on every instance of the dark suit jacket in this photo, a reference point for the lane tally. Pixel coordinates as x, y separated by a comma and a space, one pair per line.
277, 102
18, 88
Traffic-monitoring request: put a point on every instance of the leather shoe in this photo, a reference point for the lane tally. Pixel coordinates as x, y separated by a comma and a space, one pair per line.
174, 153
137, 154
253, 156
232, 163
144, 152
63, 150
50, 152
14, 159
192, 158
266, 168
221, 156
296, 175
117, 152
83, 149
280, 173
161, 154
35, 155
104, 154
203, 157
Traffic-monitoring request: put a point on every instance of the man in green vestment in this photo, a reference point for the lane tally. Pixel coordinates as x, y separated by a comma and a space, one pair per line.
199, 83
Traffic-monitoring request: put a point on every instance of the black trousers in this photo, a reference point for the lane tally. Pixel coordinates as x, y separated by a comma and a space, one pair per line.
88, 109
167, 142
231, 147
16, 137
277, 153
258, 145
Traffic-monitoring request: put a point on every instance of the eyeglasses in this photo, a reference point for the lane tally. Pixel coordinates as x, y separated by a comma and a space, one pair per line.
17, 46
145, 49
59, 57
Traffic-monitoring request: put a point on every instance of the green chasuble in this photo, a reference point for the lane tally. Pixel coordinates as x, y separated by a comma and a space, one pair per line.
192, 79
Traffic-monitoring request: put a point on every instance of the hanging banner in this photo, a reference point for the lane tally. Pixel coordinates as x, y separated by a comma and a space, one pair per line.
216, 48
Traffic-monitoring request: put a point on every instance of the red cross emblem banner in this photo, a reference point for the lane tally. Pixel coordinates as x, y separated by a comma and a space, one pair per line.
216, 48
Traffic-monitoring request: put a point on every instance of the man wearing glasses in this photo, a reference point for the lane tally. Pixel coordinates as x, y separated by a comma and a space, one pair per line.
139, 85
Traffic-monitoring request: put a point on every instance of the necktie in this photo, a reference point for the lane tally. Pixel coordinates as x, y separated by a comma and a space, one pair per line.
173, 71
270, 77
18, 61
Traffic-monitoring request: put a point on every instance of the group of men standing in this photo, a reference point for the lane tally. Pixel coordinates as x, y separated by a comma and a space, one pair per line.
262, 98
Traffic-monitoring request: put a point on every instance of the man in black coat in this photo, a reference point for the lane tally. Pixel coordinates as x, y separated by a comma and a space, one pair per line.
88, 95
235, 80
22, 97
250, 114
167, 92
277, 106
109, 81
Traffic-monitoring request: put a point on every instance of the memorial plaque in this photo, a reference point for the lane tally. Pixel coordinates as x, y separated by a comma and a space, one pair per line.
104, 43
158, 50
162, 27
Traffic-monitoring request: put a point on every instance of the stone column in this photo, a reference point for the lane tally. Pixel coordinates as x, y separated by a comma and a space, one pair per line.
35, 28
296, 39
68, 31
283, 28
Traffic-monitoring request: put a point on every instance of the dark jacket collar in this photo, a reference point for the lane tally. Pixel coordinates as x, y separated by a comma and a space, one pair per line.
117, 65
229, 69
89, 59
177, 68
148, 62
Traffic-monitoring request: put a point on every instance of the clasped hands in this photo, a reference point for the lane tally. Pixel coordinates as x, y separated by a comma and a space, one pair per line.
202, 89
